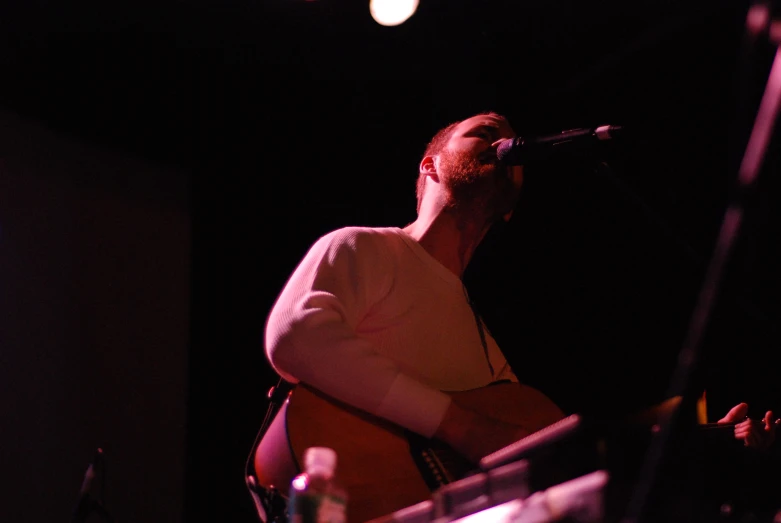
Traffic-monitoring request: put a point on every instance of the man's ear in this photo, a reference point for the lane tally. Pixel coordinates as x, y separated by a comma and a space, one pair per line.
428, 165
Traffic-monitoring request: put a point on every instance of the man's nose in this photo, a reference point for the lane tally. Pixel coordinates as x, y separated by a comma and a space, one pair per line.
498, 142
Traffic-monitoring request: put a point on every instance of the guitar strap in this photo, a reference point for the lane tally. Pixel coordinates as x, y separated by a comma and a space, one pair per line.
269, 504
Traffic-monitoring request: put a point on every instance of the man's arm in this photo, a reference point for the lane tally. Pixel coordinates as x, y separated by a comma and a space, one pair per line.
474, 435
311, 333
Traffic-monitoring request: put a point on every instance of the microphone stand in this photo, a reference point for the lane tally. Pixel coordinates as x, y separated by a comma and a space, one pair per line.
758, 22
87, 504
91, 506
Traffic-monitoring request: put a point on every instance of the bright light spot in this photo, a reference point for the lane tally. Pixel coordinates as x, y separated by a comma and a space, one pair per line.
299, 482
392, 12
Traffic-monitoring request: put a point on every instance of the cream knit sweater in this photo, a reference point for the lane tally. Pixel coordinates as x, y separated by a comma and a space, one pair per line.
370, 318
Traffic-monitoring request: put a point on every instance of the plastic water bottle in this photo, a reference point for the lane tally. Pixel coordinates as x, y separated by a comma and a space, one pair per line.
316, 495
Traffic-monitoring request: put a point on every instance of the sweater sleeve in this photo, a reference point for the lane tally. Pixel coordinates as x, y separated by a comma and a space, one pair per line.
311, 334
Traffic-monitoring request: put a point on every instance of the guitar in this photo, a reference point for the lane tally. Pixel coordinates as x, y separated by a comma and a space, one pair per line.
383, 467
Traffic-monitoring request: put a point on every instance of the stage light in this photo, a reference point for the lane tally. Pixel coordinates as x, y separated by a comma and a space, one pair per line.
392, 12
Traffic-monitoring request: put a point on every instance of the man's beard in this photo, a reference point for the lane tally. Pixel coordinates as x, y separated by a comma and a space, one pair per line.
480, 187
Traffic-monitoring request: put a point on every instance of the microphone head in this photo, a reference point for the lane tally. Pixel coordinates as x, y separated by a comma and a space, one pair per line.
504, 151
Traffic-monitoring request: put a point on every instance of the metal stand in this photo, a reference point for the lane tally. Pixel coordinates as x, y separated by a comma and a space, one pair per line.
759, 22
87, 505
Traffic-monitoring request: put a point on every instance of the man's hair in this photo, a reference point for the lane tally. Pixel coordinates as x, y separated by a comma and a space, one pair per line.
435, 146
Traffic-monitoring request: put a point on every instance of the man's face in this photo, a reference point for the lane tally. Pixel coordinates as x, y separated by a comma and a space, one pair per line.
470, 170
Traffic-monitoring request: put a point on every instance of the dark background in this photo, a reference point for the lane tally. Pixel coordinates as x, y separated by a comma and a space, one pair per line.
166, 164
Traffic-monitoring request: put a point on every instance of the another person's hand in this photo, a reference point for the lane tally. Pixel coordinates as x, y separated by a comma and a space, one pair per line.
757, 434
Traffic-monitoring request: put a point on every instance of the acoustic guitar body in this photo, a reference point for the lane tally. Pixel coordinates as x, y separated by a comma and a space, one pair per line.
383, 467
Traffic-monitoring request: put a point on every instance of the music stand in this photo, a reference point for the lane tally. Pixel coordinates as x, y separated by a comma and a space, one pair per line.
759, 23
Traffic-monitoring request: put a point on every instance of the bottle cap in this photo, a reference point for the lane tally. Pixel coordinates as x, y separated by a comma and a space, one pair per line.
320, 460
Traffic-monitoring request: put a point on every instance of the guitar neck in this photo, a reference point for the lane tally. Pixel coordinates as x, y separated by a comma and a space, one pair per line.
717, 426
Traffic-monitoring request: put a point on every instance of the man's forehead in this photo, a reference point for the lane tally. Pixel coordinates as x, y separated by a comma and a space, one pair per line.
488, 120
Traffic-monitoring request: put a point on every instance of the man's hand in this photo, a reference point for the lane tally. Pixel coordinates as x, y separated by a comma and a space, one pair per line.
758, 434
474, 435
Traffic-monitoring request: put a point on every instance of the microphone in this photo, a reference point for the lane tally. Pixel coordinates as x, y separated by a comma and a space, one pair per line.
519, 150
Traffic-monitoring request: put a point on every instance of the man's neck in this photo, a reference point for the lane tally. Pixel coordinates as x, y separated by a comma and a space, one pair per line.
450, 239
